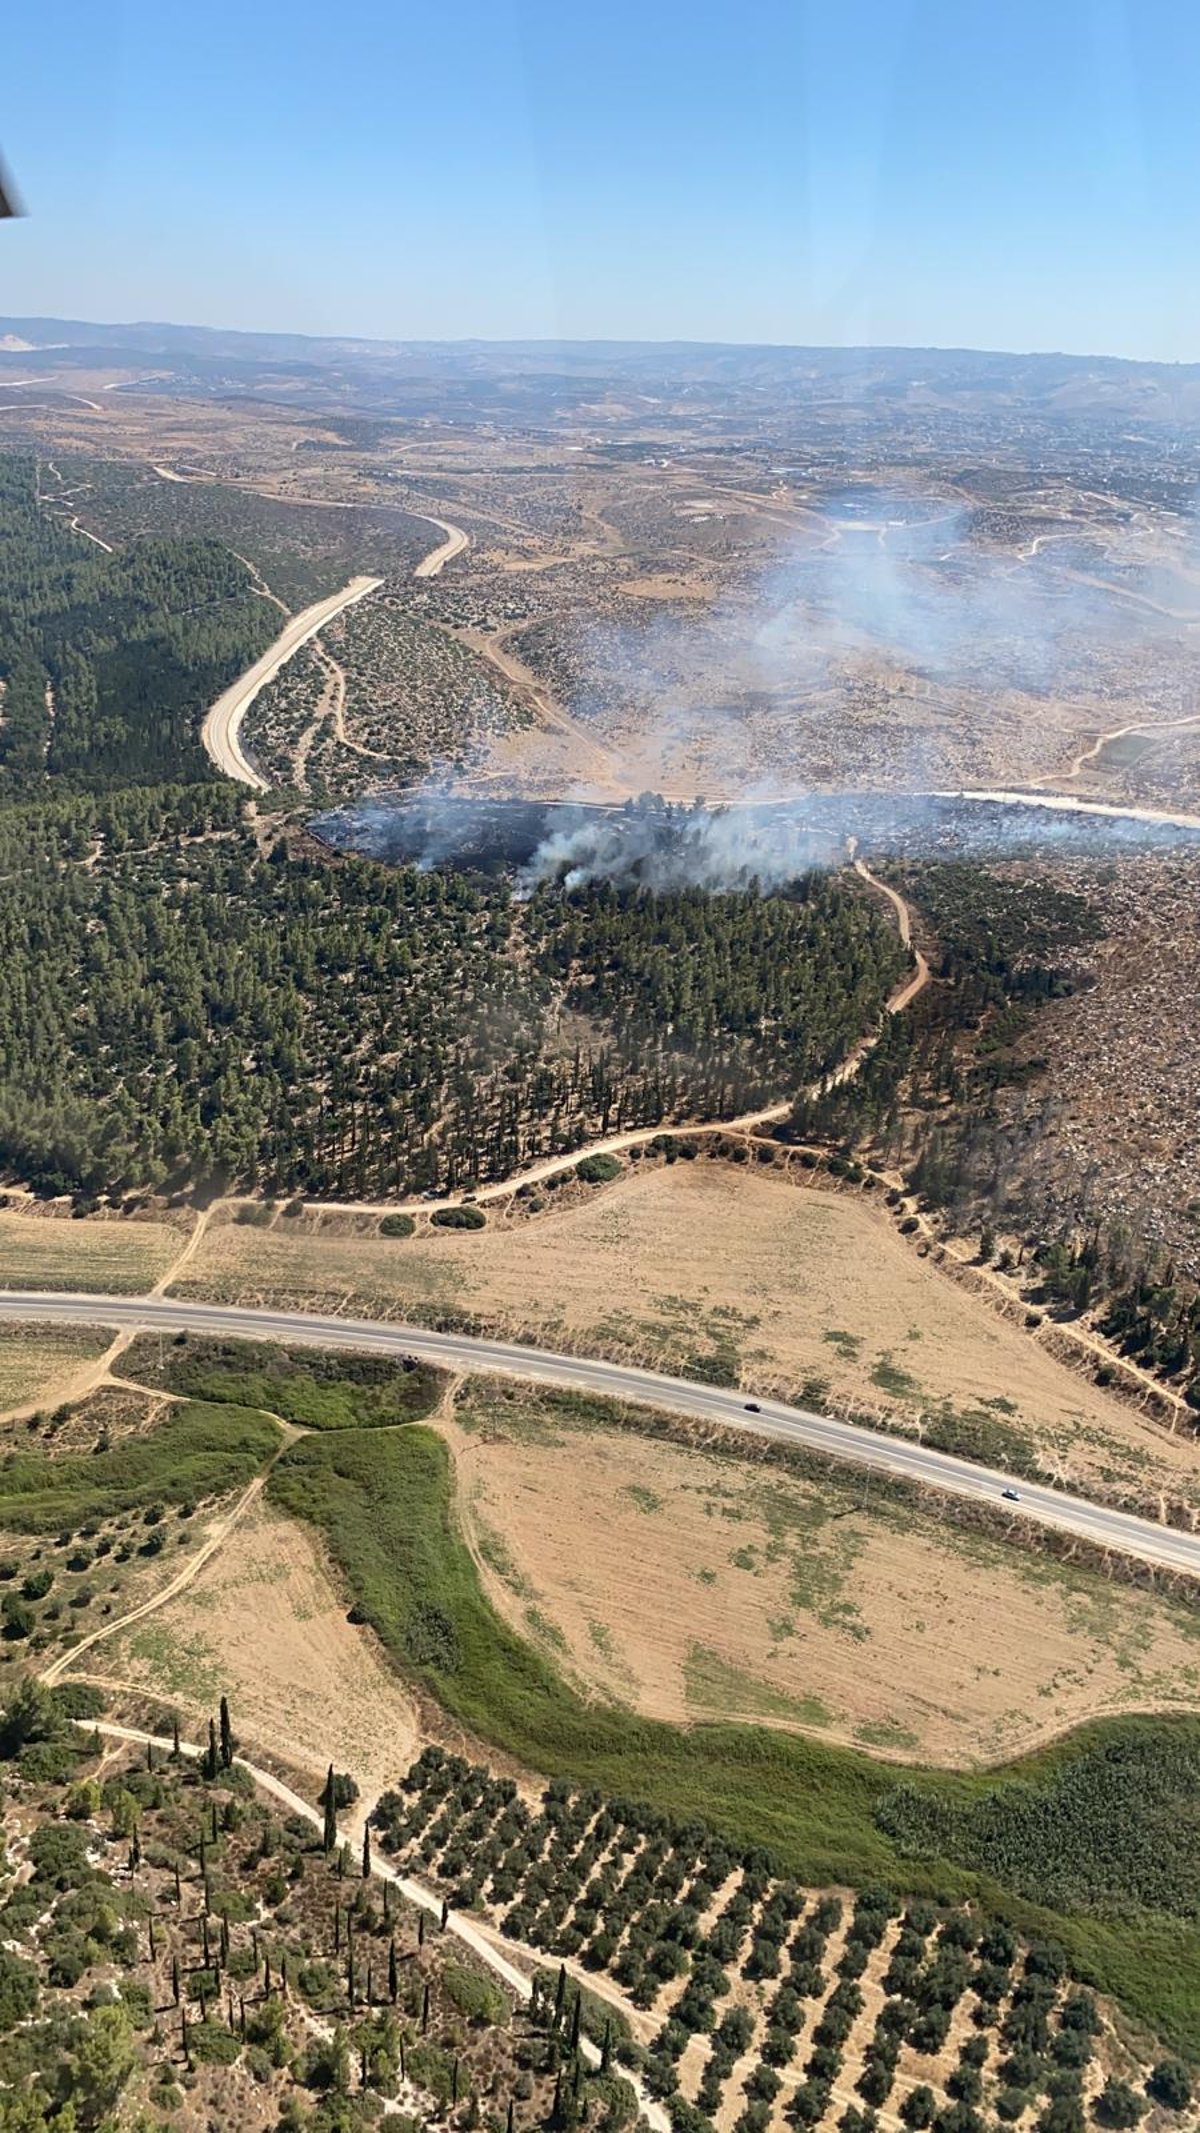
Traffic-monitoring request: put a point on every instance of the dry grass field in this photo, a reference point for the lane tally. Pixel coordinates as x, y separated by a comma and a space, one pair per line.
735, 1272
113, 1257
690, 1586
45, 1364
264, 1624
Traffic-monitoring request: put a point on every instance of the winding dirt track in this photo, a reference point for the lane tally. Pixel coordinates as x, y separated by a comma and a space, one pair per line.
221, 731
638, 1136
458, 1927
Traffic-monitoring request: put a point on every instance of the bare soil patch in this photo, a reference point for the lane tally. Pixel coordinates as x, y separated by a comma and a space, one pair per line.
690, 1586
737, 1273
264, 1624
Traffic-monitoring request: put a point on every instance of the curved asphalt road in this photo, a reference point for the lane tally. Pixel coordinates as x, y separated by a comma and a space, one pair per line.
1142, 1537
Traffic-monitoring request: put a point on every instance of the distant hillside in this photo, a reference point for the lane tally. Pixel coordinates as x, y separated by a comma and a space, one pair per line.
376, 372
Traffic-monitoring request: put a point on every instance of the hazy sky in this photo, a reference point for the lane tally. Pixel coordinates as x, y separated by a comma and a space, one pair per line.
993, 173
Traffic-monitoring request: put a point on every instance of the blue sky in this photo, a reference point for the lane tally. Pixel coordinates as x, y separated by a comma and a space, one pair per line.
987, 173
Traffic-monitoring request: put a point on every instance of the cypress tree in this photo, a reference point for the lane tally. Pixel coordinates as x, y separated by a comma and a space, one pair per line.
226, 1735
175, 1989
366, 1854
606, 2049
393, 1974
560, 1993
425, 2011
175, 1736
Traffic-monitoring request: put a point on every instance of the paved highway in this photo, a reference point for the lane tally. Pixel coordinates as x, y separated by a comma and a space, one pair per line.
1141, 1537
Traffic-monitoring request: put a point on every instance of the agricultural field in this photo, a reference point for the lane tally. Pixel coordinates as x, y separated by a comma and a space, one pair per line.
45, 1364
106, 1504
111, 1256
765, 2004
731, 1272
265, 1622
177, 1951
1020, 1838
714, 1589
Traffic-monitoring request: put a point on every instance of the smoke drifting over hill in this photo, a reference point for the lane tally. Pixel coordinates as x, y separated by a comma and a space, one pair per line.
889, 586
